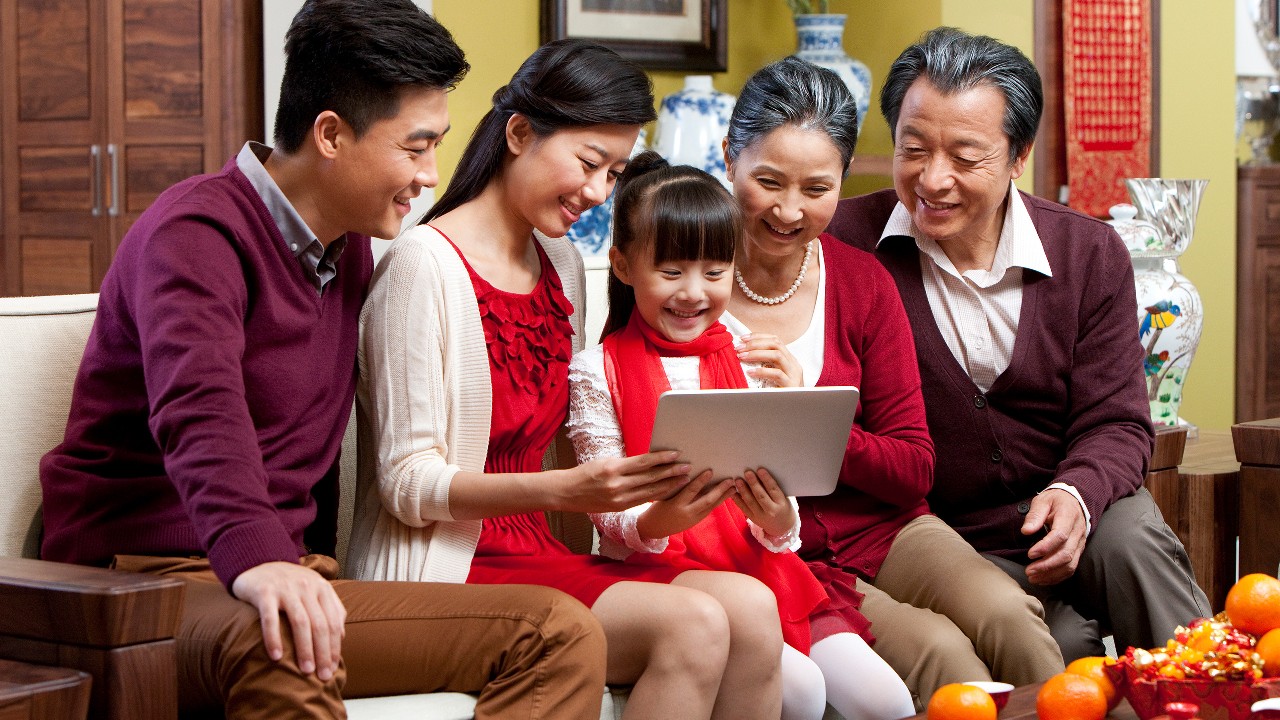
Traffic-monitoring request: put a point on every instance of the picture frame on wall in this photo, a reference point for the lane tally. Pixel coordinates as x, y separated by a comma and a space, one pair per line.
685, 35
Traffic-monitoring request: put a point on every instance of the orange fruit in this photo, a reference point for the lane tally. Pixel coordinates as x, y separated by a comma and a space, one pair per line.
1068, 696
1092, 667
1269, 648
960, 702
1253, 604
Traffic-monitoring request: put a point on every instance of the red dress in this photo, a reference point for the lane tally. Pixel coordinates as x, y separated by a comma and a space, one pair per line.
529, 341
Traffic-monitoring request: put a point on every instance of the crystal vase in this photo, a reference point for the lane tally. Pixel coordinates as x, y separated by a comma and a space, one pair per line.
1170, 313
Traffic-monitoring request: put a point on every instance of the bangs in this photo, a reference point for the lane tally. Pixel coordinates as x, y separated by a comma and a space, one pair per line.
694, 221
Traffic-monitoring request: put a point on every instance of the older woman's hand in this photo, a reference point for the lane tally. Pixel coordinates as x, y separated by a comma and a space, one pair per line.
775, 364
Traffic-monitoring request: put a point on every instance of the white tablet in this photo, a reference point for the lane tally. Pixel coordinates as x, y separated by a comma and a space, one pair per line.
798, 434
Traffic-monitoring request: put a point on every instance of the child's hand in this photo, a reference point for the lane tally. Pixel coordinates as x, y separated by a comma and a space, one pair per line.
763, 502
684, 509
776, 365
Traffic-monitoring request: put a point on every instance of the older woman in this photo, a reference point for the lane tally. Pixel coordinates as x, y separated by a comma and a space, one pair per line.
941, 612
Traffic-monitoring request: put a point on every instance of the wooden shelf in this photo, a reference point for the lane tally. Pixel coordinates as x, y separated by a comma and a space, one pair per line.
872, 165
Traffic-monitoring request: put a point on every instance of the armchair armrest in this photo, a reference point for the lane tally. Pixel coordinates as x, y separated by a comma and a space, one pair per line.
1257, 447
116, 626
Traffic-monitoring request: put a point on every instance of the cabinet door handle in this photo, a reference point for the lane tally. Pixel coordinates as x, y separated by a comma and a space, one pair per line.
95, 178
114, 157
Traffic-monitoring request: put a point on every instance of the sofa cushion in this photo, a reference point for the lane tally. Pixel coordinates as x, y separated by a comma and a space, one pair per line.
44, 339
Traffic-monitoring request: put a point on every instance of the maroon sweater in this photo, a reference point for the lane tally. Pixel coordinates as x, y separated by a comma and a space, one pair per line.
209, 408
888, 464
1071, 407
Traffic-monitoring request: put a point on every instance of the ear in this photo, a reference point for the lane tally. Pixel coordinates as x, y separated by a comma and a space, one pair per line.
519, 134
618, 261
1020, 163
325, 133
728, 161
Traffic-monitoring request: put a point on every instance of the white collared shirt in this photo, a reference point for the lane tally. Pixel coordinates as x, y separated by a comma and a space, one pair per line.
977, 311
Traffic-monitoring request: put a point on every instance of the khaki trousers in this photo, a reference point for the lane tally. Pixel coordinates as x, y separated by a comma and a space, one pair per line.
942, 613
528, 652
1134, 580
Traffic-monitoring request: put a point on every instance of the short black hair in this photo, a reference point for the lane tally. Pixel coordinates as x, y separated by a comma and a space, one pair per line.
354, 57
955, 61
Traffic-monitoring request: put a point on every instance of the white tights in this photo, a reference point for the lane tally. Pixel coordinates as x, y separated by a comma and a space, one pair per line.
843, 670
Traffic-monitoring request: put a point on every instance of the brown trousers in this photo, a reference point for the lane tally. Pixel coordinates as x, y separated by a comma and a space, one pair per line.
942, 613
528, 652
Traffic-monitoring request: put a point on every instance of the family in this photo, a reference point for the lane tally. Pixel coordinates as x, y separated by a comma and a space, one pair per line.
989, 521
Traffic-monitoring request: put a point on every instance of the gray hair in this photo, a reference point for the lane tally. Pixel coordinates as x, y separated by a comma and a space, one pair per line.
954, 61
792, 91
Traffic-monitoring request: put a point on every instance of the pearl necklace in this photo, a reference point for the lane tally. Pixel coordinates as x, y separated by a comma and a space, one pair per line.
804, 268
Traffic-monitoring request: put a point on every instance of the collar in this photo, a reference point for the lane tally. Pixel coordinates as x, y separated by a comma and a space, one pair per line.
1019, 246
297, 236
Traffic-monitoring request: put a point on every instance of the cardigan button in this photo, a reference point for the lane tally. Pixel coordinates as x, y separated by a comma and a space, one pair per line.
996, 455
979, 401
1024, 507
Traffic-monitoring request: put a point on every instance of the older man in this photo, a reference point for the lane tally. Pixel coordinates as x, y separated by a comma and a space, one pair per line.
1023, 316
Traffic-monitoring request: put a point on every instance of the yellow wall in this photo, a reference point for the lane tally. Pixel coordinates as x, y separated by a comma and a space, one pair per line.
1196, 116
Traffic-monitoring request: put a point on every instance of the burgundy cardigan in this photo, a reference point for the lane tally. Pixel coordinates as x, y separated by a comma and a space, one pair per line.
209, 408
1071, 407
888, 464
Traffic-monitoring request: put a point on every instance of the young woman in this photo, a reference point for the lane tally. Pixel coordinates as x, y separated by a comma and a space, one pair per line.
465, 344
791, 138
675, 233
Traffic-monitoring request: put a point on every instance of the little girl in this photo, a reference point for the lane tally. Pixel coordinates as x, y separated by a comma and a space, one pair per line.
675, 232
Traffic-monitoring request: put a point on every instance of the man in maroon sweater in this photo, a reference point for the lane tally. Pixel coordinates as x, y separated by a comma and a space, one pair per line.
215, 389
1023, 317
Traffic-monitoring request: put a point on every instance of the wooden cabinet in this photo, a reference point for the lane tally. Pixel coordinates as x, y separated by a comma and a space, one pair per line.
105, 104
1258, 293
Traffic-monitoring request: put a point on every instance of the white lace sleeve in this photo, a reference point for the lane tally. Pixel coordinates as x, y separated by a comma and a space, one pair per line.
779, 543
594, 431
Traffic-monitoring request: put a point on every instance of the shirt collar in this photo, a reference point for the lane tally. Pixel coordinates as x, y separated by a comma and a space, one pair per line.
1020, 244
297, 236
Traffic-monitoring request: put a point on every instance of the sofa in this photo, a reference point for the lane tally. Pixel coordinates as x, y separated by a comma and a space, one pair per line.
118, 626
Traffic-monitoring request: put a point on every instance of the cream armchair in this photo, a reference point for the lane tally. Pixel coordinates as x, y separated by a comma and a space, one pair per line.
116, 626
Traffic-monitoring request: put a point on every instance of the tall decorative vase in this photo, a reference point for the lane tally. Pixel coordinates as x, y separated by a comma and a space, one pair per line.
1170, 313
692, 124
820, 40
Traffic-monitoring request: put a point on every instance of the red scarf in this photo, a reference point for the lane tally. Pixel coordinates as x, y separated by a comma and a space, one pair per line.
722, 541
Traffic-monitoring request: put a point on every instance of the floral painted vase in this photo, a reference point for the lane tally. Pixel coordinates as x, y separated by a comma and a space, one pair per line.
1170, 313
592, 234
820, 40
692, 124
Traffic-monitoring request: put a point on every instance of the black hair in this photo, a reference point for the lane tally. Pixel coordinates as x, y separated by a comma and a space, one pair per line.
354, 57
677, 212
954, 61
563, 84
792, 91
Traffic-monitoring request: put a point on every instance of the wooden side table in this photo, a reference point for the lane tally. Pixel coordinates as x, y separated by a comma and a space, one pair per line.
1194, 483
38, 692
1257, 444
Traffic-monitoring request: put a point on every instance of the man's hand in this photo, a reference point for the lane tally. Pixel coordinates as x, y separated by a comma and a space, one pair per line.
1056, 555
315, 613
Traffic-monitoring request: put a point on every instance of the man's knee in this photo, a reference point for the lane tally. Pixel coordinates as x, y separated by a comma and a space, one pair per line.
567, 631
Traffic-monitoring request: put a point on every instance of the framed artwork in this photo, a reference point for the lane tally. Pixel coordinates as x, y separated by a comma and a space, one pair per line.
686, 35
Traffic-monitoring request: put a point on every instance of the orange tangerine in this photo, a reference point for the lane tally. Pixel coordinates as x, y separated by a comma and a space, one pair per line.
960, 702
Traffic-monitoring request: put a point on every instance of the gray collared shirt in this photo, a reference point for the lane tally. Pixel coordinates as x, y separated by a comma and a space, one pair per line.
319, 263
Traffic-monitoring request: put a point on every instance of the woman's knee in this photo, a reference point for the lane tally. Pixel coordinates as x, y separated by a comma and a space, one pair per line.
751, 609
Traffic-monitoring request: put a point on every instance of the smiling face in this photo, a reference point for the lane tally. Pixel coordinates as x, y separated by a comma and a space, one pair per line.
951, 164
678, 298
787, 184
373, 178
550, 181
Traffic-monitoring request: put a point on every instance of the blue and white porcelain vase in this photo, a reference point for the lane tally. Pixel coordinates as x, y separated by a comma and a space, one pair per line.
692, 124
592, 234
1170, 313
820, 40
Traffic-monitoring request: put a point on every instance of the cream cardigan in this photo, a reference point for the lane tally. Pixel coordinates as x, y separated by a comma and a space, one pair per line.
424, 404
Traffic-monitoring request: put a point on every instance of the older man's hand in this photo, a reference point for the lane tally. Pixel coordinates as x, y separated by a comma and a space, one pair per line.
1055, 557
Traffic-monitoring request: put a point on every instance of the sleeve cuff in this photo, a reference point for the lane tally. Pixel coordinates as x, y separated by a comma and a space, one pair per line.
249, 545
788, 541
1088, 521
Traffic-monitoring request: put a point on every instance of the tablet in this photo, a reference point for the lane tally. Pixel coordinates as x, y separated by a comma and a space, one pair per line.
798, 434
